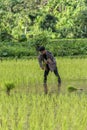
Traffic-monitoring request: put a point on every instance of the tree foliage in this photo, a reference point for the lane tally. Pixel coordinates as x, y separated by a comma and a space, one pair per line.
60, 18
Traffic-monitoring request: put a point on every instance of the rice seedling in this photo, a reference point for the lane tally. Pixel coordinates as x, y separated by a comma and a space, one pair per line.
9, 86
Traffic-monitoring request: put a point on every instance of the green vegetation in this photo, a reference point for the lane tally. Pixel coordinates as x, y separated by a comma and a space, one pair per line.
61, 26
23, 19
72, 89
27, 108
59, 47
26, 74
9, 86
40, 112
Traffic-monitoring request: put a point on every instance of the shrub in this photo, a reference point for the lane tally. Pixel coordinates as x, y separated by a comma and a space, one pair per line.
59, 47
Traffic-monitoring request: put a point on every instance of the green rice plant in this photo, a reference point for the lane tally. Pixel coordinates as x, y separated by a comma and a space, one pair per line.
9, 86
72, 89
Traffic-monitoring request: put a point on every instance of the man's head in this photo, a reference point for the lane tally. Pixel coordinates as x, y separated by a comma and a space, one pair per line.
42, 50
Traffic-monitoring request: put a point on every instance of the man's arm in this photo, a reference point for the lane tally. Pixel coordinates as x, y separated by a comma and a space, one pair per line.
40, 61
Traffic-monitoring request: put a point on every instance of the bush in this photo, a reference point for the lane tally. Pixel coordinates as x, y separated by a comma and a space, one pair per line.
68, 47
4, 36
59, 47
22, 38
40, 39
49, 22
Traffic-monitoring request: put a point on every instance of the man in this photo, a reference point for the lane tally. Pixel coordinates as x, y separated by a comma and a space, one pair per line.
50, 65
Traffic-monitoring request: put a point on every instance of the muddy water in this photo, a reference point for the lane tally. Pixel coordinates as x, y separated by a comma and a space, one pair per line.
52, 87
79, 84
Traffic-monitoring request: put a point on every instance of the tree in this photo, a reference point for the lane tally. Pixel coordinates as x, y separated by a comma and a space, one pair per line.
49, 22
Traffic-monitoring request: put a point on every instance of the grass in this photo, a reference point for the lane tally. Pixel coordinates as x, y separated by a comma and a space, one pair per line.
27, 108
40, 112
27, 72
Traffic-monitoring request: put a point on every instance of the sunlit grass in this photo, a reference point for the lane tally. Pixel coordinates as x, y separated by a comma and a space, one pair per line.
27, 73
27, 108
40, 112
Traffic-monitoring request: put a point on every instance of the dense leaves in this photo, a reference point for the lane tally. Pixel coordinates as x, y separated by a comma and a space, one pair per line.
60, 19
65, 47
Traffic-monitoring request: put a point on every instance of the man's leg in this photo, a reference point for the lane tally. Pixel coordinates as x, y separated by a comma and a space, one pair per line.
46, 72
59, 79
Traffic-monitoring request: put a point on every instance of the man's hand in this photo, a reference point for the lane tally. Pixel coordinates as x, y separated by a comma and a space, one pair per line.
48, 61
42, 68
45, 61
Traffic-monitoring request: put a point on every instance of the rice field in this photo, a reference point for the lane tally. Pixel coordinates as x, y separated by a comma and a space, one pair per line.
27, 108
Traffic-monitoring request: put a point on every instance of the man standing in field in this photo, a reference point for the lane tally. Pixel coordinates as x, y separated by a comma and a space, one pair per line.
48, 59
